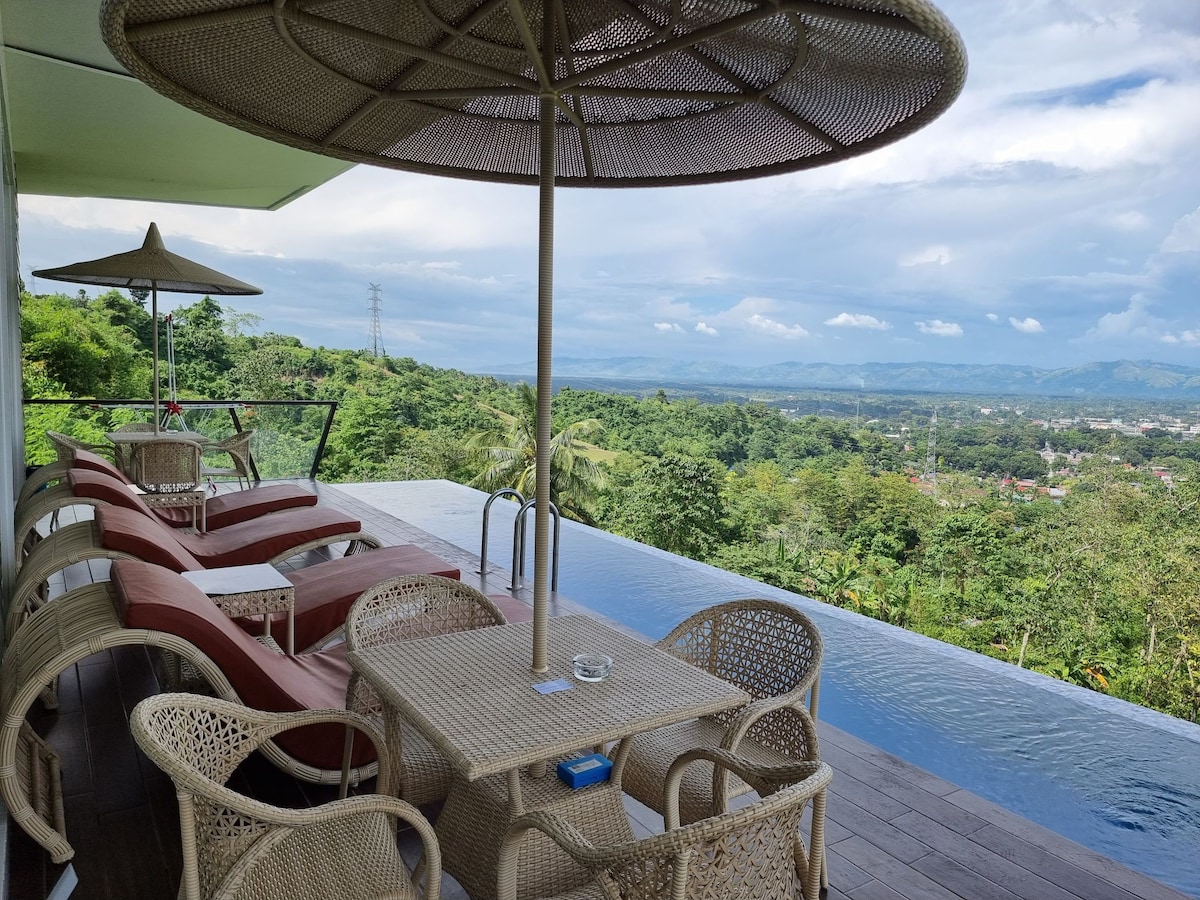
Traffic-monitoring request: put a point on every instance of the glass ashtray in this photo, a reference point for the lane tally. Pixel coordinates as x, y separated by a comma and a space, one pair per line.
592, 666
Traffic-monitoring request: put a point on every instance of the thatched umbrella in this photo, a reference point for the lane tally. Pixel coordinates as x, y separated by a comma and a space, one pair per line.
587, 93
155, 268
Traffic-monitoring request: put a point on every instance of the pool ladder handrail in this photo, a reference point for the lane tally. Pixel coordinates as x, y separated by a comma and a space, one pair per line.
518, 563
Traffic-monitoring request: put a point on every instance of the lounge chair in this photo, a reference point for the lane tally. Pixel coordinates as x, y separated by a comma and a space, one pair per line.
234, 845
87, 487
324, 591
147, 605
222, 509
754, 851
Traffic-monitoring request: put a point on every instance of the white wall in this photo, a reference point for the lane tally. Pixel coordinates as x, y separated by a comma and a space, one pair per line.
12, 442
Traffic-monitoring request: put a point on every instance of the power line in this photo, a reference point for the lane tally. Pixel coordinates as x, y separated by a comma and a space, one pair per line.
930, 474
376, 334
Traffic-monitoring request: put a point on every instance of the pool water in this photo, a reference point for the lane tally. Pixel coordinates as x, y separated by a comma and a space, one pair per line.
1115, 777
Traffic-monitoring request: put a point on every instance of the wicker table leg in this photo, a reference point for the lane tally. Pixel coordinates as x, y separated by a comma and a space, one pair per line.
472, 823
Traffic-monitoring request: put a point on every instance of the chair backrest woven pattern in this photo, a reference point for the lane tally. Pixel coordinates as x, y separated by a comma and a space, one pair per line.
765, 647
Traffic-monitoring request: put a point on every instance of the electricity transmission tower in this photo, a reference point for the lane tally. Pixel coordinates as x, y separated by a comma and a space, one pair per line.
930, 474
376, 335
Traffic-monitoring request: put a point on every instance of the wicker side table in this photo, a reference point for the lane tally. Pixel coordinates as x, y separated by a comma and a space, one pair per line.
250, 591
195, 500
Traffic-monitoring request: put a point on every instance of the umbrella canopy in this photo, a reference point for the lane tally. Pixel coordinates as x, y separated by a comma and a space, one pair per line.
152, 266
602, 93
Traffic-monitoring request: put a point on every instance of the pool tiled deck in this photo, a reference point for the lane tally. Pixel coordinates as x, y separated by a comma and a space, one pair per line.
894, 831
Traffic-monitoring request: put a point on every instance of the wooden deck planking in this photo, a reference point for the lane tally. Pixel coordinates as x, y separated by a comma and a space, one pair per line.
894, 832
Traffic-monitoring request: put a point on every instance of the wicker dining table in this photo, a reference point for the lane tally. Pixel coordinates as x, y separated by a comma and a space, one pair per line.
472, 694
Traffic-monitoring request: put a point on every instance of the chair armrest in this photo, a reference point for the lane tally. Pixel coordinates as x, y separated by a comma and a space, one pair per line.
562, 832
765, 779
750, 718
780, 723
359, 542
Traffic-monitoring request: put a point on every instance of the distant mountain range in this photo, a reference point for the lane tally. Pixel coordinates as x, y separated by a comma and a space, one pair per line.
1142, 379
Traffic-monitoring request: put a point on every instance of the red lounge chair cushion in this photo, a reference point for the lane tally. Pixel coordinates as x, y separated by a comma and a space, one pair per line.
95, 485
221, 509
150, 596
326, 591
86, 459
243, 544
128, 531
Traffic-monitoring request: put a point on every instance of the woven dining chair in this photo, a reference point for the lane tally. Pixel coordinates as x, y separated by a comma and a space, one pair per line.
754, 851
166, 466
237, 448
400, 609
121, 453
771, 650
238, 847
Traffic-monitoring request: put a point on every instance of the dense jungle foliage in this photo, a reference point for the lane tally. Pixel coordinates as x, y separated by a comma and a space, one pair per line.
1099, 586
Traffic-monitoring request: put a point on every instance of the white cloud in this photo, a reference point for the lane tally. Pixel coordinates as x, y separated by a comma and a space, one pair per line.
1059, 184
938, 254
778, 329
940, 328
758, 315
1131, 220
1184, 236
1028, 325
857, 320
1135, 321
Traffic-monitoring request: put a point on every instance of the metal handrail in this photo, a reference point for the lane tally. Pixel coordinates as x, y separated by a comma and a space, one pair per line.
487, 509
518, 563
518, 568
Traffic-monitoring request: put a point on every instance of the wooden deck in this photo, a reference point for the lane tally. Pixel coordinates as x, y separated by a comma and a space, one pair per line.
894, 831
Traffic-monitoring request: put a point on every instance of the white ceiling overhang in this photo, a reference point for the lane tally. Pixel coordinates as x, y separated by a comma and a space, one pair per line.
80, 126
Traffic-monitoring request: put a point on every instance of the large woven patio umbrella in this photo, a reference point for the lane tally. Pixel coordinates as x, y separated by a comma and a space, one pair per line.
155, 268
584, 93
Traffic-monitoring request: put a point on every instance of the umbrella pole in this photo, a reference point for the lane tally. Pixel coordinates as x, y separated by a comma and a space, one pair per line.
154, 346
541, 508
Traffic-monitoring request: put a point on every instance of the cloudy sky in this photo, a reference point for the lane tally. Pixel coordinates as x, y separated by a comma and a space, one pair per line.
1051, 217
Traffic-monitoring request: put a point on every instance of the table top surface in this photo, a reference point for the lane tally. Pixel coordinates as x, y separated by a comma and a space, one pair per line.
471, 693
238, 579
134, 437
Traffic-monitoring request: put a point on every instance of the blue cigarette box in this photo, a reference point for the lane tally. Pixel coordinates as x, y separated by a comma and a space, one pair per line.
586, 770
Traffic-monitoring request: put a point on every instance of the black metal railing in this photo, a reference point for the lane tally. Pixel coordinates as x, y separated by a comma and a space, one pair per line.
289, 435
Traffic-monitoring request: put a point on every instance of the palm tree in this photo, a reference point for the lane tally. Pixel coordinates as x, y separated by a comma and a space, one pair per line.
511, 451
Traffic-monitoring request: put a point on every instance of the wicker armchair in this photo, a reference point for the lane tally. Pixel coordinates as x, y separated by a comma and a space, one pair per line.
238, 847
237, 447
754, 851
400, 609
65, 446
773, 652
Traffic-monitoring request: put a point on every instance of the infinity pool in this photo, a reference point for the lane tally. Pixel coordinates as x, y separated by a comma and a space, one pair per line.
1120, 779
